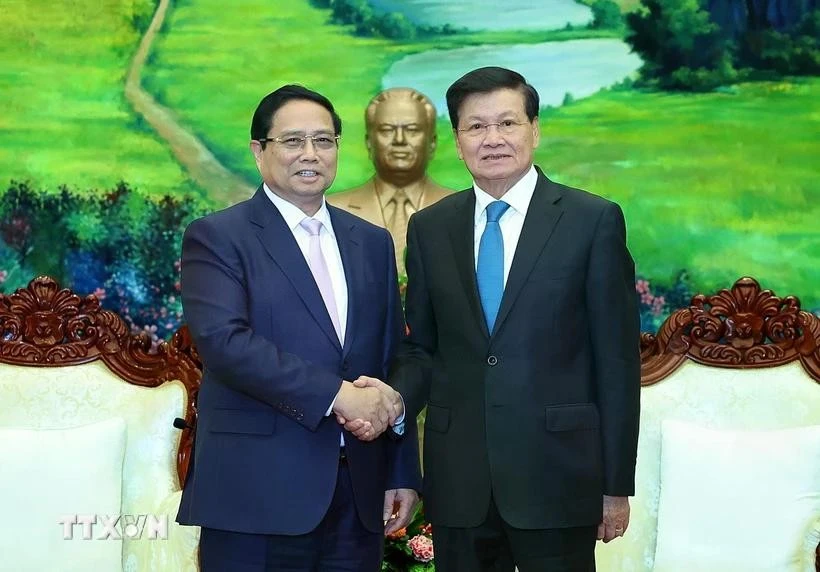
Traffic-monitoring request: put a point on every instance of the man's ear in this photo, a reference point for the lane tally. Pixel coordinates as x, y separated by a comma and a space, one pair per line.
458, 145
256, 149
433, 144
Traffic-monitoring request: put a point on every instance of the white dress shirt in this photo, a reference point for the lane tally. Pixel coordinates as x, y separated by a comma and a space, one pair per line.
511, 222
293, 216
330, 248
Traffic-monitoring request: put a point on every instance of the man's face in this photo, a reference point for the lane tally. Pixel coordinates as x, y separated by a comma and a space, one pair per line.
501, 152
400, 141
300, 176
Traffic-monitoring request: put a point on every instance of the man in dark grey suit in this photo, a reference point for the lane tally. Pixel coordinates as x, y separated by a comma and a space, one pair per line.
523, 345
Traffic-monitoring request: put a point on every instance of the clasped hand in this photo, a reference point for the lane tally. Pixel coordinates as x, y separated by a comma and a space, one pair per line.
367, 407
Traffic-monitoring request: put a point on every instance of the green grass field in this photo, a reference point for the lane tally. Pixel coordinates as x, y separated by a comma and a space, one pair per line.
212, 65
720, 184
64, 118
258, 54
723, 185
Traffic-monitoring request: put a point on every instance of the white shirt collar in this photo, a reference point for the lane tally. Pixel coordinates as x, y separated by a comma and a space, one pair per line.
293, 215
518, 197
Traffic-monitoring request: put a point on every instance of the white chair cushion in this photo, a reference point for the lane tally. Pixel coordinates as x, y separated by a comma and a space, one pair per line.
721, 398
733, 501
56, 397
46, 475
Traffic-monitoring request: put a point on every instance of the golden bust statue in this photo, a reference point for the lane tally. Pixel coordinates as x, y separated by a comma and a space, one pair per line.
401, 138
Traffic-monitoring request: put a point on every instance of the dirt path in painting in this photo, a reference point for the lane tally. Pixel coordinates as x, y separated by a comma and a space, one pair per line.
221, 185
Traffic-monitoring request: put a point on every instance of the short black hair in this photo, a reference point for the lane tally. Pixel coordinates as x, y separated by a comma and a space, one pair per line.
486, 80
271, 103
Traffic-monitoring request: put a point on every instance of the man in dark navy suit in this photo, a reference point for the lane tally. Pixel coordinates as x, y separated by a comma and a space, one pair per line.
288, 299
523, 345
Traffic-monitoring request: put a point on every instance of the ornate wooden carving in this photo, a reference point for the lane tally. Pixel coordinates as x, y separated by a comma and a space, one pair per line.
44, 325
744, 327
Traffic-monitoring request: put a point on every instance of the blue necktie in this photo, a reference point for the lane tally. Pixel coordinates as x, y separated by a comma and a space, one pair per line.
490, 269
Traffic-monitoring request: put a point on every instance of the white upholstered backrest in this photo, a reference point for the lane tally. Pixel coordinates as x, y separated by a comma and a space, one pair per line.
746, 399
70, 396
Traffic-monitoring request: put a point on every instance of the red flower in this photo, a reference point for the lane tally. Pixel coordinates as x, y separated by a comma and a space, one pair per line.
422, 548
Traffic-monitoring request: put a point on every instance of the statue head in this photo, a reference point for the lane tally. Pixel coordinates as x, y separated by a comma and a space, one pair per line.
401, 134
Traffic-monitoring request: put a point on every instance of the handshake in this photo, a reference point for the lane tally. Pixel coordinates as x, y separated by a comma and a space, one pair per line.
367, 407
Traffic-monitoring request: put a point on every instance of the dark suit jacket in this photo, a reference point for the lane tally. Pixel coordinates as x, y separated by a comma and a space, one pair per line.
266, 456
543, 412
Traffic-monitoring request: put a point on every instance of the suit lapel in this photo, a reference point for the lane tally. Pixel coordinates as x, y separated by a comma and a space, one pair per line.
277, 240
350, 248
542, 216
462, 231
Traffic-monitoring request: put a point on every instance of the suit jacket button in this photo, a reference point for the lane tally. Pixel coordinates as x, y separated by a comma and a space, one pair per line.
492, 360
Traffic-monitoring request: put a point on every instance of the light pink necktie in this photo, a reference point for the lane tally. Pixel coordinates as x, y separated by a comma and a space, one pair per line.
318, 266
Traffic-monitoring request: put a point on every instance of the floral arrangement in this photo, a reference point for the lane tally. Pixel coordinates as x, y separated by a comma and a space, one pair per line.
410, 549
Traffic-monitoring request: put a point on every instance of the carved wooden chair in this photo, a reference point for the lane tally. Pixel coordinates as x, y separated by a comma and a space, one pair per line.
87, 428
728, 474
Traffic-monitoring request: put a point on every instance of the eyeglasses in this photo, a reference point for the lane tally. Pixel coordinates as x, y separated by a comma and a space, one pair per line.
506, 127
322, 142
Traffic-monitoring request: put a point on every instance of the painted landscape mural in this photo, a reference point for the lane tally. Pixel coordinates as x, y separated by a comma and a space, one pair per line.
121, 121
